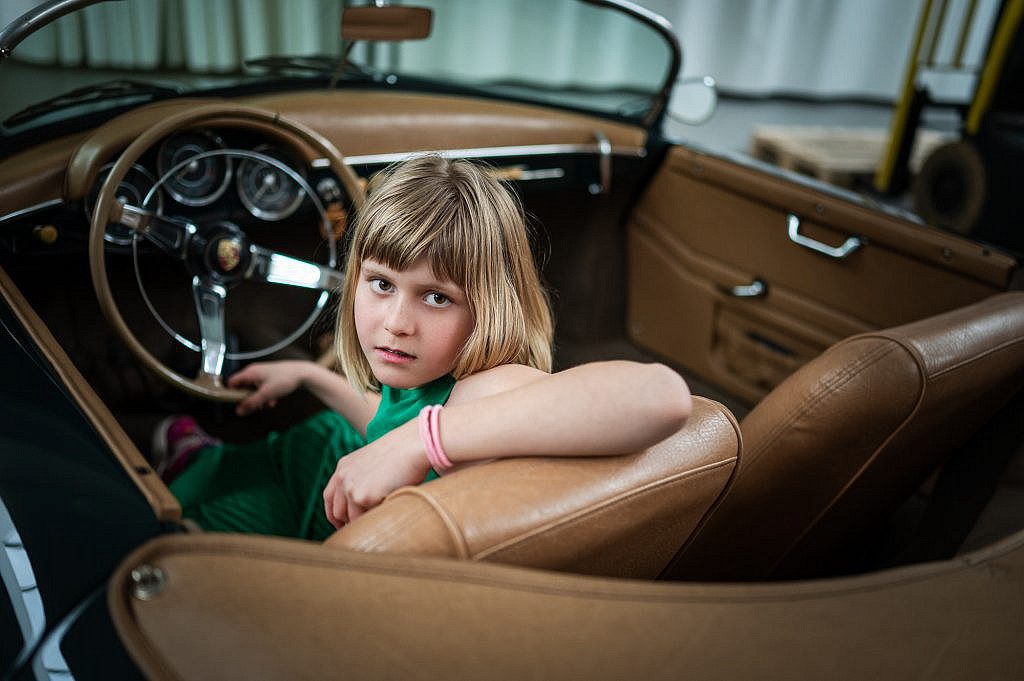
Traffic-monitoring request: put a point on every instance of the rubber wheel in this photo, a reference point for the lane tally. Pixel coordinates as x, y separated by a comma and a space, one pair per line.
950, 190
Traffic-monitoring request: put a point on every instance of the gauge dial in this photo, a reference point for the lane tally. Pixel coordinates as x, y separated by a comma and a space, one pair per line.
138, 188
267, 189
194, 167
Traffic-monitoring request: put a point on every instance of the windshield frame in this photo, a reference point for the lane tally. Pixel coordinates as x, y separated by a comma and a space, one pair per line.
35, 19
661, 25
51, 10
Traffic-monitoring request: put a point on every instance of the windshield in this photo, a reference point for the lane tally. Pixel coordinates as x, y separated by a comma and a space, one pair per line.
599, 57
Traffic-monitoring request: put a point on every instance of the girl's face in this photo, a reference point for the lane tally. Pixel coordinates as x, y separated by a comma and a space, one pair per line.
411, 325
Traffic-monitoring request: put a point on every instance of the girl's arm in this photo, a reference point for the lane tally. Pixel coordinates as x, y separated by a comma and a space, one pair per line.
273, 380
595, 409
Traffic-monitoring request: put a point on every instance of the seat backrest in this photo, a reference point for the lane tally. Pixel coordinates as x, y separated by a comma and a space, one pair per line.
852, 434
621, 516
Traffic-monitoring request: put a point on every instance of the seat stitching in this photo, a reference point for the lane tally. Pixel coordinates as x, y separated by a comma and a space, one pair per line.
979, 356
864, 466
454, 531
881, 447
837, 380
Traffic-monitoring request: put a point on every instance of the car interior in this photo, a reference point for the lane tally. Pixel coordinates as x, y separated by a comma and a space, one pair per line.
841, 421
854, 454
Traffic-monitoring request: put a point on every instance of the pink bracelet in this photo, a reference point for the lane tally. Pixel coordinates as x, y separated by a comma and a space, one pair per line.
430, 435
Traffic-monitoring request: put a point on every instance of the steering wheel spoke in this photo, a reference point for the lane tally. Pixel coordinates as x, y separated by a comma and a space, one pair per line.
210, 299
171, 235
278, 268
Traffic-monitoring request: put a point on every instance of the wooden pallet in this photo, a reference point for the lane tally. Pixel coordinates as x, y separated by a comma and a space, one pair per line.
845, 157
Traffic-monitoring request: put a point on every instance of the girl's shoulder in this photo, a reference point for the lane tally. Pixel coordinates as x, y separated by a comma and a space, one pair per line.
493, 381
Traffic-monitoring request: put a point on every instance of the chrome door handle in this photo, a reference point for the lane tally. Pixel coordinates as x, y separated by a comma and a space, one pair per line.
755, 289
838, 252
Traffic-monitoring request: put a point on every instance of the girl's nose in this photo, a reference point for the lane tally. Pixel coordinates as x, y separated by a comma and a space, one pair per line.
399, 320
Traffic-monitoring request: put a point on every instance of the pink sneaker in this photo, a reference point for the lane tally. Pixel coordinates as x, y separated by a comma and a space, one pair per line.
175, 440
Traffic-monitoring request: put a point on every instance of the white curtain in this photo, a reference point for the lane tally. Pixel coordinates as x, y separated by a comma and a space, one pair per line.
196, 35
559, 44
816, 48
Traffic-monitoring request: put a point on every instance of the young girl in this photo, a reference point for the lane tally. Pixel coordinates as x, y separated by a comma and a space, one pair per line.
441, 305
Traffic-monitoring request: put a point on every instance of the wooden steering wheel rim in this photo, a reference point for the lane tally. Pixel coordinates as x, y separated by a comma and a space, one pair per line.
106, 201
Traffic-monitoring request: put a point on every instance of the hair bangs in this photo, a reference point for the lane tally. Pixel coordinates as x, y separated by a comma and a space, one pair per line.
435, 230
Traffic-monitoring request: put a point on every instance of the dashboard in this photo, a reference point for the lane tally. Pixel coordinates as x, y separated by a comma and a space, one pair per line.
219, 174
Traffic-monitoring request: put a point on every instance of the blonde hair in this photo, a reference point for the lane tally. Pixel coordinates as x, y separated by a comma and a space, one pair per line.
472, 231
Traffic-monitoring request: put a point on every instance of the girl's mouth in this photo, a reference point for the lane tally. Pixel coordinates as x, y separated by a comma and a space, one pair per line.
394, 354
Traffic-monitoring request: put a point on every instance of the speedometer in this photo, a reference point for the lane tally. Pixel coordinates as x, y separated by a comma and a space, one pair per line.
194, 168
268, 189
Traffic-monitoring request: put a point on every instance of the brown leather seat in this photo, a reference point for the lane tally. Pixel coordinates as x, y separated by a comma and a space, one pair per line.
622, 516
848, 437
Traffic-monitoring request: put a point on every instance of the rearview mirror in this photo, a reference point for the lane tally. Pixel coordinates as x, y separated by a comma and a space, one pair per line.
693, 100
389, 23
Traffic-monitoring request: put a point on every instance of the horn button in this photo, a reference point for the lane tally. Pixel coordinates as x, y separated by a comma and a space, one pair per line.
222, 251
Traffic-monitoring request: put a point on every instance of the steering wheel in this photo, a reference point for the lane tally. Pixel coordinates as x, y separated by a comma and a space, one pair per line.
218, 258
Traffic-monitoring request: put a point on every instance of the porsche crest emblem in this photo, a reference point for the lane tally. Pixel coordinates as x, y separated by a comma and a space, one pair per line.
229, 253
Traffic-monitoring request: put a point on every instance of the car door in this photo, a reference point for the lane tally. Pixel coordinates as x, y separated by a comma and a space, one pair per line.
740, 272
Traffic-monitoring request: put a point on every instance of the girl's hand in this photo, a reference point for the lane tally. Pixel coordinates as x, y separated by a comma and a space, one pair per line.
363, 478
270, 380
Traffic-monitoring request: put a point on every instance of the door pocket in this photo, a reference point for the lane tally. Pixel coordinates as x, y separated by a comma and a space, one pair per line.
756, 354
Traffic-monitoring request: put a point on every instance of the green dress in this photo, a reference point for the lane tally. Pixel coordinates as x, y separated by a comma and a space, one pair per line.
275, 485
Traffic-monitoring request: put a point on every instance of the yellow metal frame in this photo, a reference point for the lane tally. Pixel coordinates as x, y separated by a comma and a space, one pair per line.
897, 129
1001, 42
1006, 29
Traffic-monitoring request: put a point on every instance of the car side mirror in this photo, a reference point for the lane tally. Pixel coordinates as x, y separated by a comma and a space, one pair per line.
386, 22
693, 100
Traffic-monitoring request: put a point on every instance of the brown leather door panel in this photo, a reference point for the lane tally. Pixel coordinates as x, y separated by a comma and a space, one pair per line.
218, 606
707, 225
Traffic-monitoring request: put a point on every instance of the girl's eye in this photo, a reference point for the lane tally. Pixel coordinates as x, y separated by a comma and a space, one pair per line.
381, 285
435, 299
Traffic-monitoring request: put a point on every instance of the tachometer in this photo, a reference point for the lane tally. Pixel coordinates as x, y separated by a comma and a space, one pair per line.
267, 189
193, 167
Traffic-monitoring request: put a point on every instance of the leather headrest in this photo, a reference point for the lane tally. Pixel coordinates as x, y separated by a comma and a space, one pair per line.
619, 516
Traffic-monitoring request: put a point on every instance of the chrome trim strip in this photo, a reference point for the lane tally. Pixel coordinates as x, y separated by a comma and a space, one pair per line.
34, 19
645, 14
21, 212
479, 153
541, 174
604, 165
493, 152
